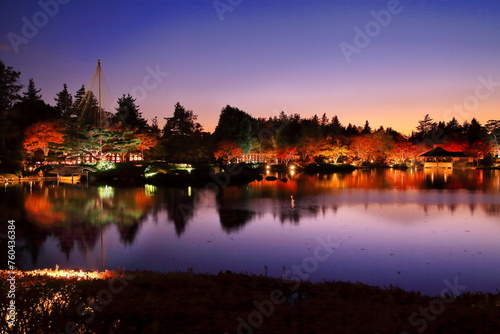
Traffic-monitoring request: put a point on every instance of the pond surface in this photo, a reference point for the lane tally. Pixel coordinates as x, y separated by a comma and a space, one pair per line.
412, 229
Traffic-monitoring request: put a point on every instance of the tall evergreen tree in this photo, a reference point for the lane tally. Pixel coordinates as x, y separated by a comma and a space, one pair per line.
366, 129
236, 126
183, 123
31, 94
9, 88
80, 94
128, 113
64, 103
336, 127
425, 126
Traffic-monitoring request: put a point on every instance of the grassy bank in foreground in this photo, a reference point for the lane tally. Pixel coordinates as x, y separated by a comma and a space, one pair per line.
146, 302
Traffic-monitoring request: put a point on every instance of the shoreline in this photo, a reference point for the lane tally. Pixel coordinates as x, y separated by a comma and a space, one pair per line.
176, 179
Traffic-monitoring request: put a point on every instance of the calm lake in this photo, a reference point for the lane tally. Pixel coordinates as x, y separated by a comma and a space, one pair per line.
412, 229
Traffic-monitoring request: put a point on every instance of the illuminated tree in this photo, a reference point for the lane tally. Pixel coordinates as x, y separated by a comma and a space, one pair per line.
480, 149
312, 148
286, 154
404, 152
371, 147
41, 135
455, 145
148, 141
493, 127
335, 151
228, 151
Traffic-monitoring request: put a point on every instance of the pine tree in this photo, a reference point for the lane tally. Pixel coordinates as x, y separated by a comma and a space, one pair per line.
64, 103
128, 113
9, 88
80, 94
425, 126
31, 95
367, 129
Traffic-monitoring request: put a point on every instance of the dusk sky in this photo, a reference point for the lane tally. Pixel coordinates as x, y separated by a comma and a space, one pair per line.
263, 57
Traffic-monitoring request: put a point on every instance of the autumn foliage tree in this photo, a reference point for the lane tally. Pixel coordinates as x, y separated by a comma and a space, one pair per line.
371, 147
404, 152
227, 151
148, 141
335, 150
286, 154
41, 135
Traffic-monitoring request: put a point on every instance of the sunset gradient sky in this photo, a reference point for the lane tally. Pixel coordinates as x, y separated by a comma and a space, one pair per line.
267, 56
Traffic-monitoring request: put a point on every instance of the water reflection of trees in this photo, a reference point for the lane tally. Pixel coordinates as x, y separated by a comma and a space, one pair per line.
77, 216
179, 203
74, 215
305, 196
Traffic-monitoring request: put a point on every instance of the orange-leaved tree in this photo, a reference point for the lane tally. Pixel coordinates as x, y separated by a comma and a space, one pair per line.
148, 141
228, 151
404, 152
286, 154
41, 135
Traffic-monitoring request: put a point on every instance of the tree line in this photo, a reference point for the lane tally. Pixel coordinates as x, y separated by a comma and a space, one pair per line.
33, 130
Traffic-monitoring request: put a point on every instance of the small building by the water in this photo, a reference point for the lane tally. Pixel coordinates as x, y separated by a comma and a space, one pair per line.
438, 157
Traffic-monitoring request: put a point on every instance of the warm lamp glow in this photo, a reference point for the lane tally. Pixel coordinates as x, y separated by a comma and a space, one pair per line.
79, 274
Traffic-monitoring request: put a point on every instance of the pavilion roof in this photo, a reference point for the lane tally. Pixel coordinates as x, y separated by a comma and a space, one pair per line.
441, 152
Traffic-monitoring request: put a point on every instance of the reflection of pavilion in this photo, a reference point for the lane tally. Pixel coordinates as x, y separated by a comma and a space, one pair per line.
440, 158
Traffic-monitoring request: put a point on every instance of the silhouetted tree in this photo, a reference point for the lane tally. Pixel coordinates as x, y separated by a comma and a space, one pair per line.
366, 129
237, 126
183, 137
9, 88
64, 103
128, 114
31, 94
183, 123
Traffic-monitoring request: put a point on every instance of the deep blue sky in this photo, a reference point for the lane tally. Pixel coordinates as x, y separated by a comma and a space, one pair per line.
267, 56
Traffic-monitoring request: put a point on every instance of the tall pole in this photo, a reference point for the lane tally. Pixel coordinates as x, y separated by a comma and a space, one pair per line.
99, 76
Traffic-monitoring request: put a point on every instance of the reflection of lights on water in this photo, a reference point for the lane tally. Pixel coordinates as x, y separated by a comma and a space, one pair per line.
149, 189
292, 202
189, 191
105, 191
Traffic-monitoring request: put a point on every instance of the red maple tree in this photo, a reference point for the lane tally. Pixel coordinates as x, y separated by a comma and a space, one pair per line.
41, 135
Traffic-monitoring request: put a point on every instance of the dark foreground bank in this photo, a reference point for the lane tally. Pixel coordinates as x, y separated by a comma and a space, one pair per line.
145, 302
